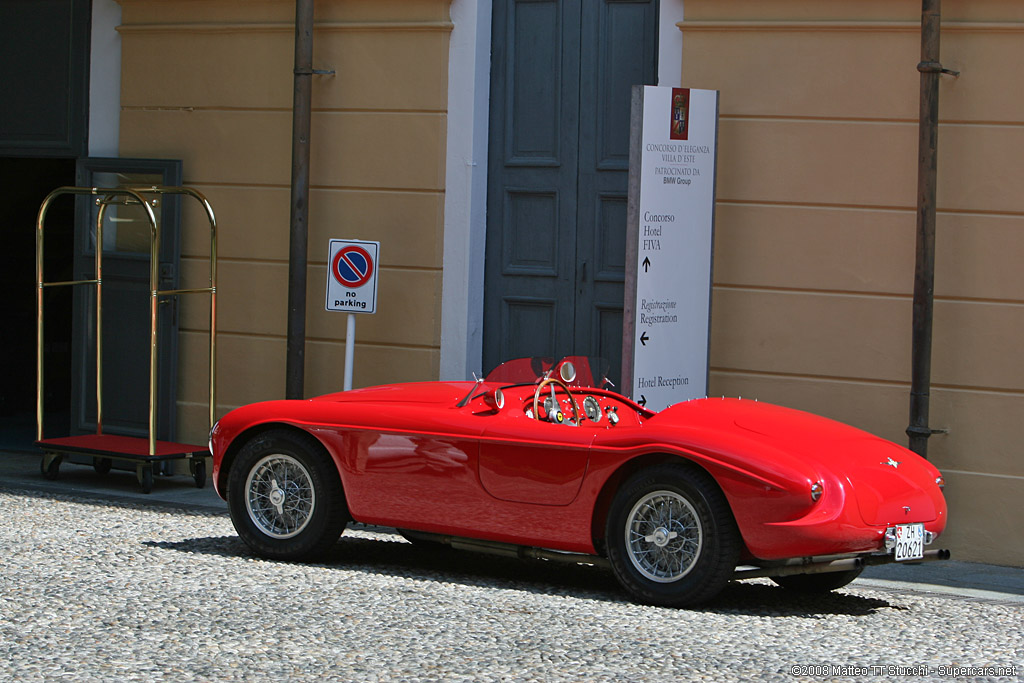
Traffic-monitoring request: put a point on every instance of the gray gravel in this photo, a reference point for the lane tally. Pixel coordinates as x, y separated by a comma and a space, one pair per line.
135, 593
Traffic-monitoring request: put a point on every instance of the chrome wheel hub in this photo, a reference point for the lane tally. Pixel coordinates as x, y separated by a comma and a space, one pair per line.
663, 536
279, 498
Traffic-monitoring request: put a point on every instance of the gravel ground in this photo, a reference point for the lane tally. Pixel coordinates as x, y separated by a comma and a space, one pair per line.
89, 591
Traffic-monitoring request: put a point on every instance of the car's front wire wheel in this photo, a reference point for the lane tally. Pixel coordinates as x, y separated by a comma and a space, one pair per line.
279, 496
285, 497
671, 537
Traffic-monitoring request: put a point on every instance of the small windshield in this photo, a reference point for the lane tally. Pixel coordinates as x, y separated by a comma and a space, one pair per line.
590, 371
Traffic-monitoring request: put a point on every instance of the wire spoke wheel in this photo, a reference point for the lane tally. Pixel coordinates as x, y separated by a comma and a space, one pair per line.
671, 537
664, 536
280, 497
285, 496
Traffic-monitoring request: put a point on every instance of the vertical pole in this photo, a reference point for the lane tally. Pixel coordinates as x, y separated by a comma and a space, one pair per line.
154, 313
924, 274
350, 346
299, 235
213, 312
102, 203
39, 317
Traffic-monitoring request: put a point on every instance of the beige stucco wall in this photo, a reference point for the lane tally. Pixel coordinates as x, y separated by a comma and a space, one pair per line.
815, 241
211, 83
815, 222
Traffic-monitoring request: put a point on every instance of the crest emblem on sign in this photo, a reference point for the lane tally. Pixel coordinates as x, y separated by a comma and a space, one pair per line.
680, 110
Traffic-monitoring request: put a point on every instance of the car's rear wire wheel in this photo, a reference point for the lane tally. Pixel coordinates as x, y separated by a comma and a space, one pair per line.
671, 537
664, 536
285, 496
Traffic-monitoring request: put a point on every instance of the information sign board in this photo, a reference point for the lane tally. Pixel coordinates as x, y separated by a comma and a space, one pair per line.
667, 309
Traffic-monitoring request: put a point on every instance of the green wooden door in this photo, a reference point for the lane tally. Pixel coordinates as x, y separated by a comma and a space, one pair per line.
561, 73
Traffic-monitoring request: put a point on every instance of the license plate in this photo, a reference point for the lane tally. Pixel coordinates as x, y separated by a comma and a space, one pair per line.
909, 542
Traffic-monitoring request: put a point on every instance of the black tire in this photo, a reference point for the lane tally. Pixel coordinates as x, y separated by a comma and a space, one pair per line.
102, 465
817, 583
50, 466
145, 477
683, 542
199, 472
299, 521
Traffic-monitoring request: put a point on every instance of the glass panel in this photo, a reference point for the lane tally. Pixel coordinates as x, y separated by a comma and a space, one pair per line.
126, 228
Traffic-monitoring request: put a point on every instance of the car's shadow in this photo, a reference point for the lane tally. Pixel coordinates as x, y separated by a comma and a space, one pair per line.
392, 556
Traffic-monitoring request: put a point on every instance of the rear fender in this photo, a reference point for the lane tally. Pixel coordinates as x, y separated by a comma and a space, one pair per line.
753, 499
611, 485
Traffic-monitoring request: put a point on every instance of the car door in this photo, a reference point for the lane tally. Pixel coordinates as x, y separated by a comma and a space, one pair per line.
532, 461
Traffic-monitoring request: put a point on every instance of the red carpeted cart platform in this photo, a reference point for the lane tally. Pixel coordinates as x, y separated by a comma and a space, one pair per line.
106, 449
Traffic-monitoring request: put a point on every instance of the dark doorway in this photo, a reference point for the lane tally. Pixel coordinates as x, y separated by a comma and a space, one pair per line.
44, 67
24, 183
561, 75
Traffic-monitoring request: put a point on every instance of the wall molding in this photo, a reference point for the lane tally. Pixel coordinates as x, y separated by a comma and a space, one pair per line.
288, 27
845, 26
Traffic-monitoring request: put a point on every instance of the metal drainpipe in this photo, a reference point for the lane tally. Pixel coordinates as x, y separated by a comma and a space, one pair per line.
299, 235
924, 275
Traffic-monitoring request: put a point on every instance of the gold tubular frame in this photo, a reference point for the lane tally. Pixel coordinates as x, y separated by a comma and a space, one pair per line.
126, 195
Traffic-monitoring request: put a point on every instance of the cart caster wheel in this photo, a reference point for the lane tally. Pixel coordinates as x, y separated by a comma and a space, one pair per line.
102, 465
199, 472
50, 465
144, 473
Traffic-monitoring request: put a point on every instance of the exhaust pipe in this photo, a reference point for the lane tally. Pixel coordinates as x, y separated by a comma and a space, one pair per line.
808, 566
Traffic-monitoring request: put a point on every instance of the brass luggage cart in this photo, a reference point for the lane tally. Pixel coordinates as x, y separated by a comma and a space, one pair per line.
107, 448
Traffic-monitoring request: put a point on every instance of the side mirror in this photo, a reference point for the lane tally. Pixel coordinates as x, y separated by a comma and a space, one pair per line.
495, 400
567, 371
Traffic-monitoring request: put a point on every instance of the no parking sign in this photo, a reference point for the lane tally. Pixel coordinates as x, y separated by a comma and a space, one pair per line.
352, 276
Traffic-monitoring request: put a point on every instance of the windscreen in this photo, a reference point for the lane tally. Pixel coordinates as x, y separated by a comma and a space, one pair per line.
590, 371
521, 371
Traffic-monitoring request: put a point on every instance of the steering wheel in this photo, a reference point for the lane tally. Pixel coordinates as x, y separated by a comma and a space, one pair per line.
540, 388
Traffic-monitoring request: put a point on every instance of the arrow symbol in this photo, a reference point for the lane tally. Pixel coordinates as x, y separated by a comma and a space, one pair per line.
646, 264
644, 338
643, 400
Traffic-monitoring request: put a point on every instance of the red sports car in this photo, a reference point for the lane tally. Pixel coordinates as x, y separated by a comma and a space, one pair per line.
538, 460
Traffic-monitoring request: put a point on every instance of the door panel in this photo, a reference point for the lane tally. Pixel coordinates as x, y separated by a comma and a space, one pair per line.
126, 302
44, 69
559, 158
530, 252
622, 35
533, 99
619, 37
546, 471
530, 245
537, 315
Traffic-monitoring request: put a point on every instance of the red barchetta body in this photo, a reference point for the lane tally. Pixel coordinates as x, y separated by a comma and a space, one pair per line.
418, 457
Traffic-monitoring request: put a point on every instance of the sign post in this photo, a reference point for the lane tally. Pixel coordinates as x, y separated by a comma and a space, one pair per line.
667, 307
352, 288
